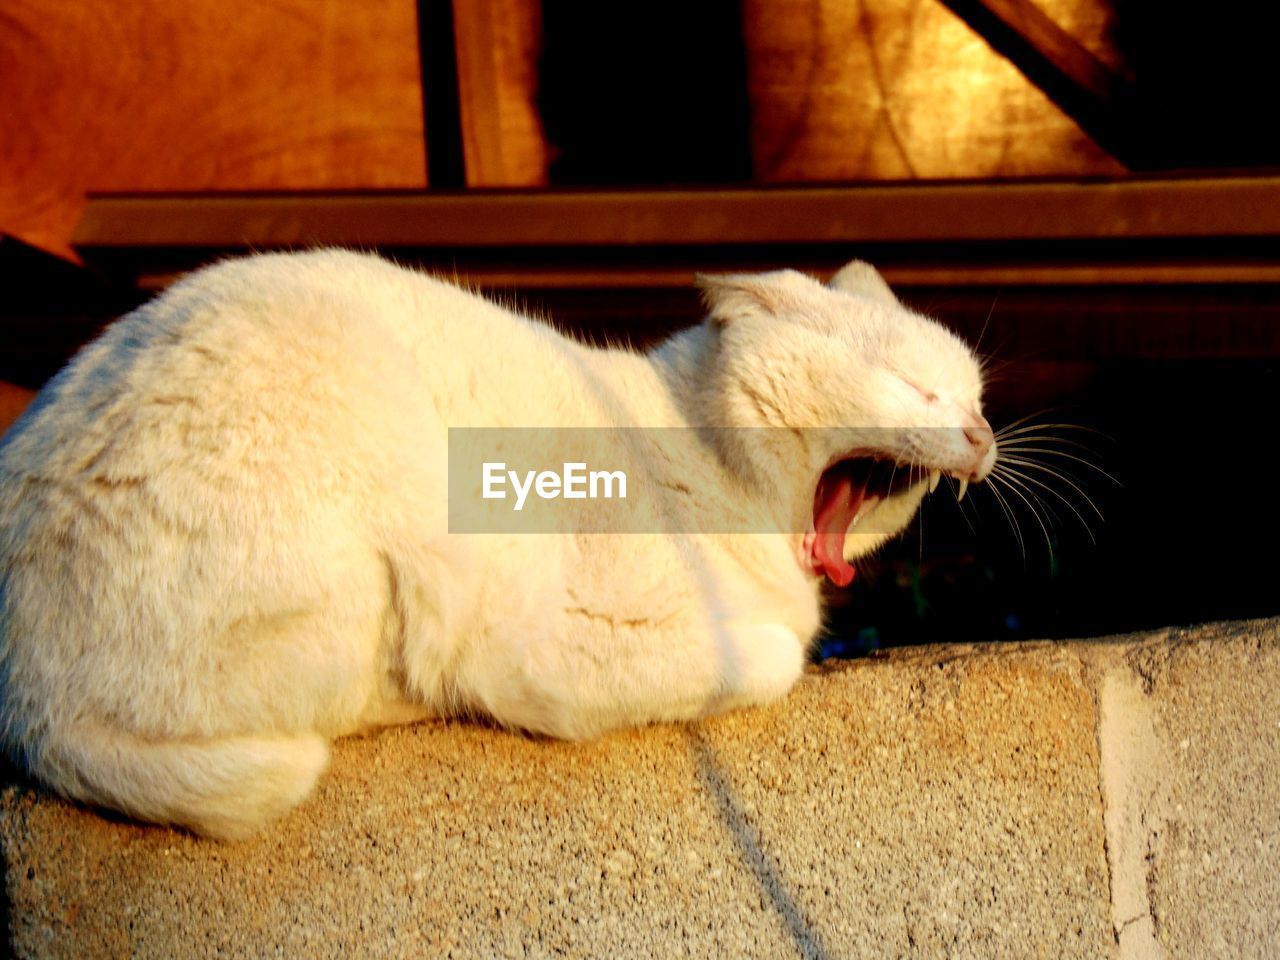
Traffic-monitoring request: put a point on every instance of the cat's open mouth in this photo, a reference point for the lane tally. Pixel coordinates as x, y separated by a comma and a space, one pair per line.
847, 492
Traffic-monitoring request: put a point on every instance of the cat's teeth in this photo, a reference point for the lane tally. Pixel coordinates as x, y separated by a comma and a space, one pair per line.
964, 488
934, 479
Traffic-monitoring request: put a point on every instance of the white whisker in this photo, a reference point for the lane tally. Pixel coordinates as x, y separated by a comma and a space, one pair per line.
1013, 521
1048, 451
1059, 474
1007, 428
1008, 431
920, 539
1048, 540
960, 505
983, 361
1023, 442
1019, 481
1010, 474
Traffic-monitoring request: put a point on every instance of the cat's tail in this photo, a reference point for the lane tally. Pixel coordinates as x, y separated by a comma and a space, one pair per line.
226, 788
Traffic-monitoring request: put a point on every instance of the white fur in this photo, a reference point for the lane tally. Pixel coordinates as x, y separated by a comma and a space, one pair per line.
223, 532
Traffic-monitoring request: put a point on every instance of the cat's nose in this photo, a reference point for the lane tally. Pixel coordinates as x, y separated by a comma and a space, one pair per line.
980, 436
981, 439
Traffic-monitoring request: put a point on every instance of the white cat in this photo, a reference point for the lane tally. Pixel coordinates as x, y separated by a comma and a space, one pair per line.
224, 527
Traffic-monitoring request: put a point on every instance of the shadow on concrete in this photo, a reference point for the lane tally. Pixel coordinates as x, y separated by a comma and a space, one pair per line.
11, 778
766, 872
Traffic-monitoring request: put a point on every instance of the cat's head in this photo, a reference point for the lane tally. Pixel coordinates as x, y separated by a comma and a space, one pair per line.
867, 403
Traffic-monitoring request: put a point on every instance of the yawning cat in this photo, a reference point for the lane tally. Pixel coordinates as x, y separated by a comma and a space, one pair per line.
225, 529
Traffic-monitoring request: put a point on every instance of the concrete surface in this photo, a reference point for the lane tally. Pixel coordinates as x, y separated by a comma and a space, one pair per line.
1104, 799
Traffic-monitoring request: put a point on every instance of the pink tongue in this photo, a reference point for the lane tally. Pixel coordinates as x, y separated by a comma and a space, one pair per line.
840, 495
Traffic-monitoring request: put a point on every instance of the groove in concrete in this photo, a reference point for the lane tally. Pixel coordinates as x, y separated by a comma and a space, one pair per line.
1129, 754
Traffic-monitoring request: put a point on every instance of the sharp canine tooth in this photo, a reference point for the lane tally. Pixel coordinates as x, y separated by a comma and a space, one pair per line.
934, 479
964, 488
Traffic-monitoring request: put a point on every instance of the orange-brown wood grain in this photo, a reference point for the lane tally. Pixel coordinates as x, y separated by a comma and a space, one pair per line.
13, 400
1101, 100
903, 89
201, 95
497, 46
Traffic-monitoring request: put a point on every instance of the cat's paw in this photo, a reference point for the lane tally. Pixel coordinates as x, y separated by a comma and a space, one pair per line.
761, 663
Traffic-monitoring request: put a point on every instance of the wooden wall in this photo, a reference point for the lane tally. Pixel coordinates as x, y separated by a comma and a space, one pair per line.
198, 95
216, 95
13, 400
904, 89
498, 47
852, 90
838, 90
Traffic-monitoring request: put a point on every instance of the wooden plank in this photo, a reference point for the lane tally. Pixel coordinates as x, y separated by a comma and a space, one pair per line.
1130, 209
13, 400
1042, 37
498, 43
897, 89
1143, 271
563, 278
1099, 99
152, 95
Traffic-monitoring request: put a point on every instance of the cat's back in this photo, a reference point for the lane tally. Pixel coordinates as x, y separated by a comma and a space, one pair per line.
284, 353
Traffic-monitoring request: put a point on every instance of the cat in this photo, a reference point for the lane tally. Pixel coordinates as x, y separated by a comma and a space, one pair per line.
225, 534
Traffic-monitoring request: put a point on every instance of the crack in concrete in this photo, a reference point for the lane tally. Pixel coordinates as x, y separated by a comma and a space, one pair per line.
1129, 755
1107, 854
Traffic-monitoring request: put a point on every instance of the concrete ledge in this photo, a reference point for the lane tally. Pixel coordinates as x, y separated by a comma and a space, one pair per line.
1105, 799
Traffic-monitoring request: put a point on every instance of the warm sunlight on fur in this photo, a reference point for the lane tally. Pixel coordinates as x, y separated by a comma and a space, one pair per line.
224, 538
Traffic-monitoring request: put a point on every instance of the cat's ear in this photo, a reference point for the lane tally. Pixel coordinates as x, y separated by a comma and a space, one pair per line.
732, 297
862, 279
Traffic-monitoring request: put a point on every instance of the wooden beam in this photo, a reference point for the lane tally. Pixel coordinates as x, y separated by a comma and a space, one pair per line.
13, 400
1129, 209
1086, 89
498, 45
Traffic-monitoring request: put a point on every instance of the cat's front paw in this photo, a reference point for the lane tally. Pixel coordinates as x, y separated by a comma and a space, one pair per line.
760, 663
